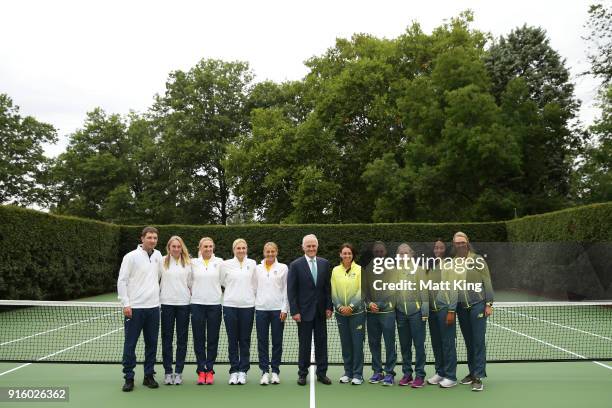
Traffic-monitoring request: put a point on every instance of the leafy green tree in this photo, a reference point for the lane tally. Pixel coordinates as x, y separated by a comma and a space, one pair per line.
202, 112
22, 160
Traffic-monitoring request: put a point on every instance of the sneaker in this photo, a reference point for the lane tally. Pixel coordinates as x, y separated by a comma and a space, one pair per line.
467, 379
357, 381
169, 379
345, 379
446, 383
275, 379
265, 379
376, 378
419, 382
210, 378
477, 385
406, 380
202, 378
233, 380
435, 379
388, 380
178, 379
241, 378
128, 385
150, 382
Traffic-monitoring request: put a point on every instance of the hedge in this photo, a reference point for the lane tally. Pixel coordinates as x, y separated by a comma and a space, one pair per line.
44, 256
48, 257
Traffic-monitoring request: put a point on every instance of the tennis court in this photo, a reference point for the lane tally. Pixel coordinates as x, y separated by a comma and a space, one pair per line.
521, 334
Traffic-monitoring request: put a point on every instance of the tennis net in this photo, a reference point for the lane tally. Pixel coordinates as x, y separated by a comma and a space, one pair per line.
87, 332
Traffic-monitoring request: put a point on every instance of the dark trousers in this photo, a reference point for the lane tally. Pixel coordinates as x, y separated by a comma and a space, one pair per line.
147, 322
447, 366
382, 325
172, 316
205, 326
305, 334
436, 339
352, 336
266, 321
239, 325
473, 325
411, 329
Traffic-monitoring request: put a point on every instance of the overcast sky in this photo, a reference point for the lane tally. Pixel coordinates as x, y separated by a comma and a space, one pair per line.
60, 59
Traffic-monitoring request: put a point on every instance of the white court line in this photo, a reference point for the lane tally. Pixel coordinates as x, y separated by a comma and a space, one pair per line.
557, 324
57, 328
312, 373
61, 351
547, 344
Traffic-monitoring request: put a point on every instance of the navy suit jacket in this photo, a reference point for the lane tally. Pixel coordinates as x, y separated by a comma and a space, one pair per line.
305, 297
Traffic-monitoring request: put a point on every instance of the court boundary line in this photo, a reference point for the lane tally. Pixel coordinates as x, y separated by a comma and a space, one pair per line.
558, 324
63, 350
57, 328
549, 344
311, 370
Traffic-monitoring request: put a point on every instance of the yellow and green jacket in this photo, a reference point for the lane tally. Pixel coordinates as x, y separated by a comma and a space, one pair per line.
346, 288
442, 298
411, 301
384, 299
469, 297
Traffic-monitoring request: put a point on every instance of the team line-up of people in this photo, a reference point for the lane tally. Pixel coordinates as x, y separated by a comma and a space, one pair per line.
206, 289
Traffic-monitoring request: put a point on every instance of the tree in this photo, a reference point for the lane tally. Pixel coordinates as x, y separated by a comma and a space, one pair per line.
202, 112
524, 67
599, 41
22, 160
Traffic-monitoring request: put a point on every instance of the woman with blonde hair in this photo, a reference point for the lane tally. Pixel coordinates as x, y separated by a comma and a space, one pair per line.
238, 278
271, 307
206, 309
175, 295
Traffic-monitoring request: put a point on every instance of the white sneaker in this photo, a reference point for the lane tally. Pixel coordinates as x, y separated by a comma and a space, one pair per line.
233, 380
241, 378
345, 379
169, 379
265, 379
446, 383
178, 379
275, 379
357, 381
435, 379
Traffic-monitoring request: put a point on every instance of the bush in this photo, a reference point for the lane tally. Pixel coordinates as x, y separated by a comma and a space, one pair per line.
55, 258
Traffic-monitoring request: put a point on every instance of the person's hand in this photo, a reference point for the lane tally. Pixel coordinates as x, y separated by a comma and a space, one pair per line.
450, 318
127, 312
488, 311
297, 317
329, 313
283, 316
373, 307
346, 310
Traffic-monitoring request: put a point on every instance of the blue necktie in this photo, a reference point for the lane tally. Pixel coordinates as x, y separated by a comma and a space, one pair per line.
313, 269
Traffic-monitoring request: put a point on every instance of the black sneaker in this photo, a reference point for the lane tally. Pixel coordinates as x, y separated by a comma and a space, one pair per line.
150, 382
468, 379
129, 385
477, 385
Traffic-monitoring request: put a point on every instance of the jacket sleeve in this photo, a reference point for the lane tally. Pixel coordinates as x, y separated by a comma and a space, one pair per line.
328, 299
423, 292
122, 281
285, 306
293, 288
486, 280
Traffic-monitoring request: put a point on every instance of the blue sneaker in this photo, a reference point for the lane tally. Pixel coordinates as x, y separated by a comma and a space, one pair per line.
376, 378
388, 380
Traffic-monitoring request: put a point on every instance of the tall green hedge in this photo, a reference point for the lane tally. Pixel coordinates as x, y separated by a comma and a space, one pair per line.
55, 258
52, 257
289, 237
589, 223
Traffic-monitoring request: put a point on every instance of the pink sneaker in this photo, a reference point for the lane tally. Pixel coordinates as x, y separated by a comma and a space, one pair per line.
201, 378
419, 382
406, 380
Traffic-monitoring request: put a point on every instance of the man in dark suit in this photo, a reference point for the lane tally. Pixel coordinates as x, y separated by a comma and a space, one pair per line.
310, 303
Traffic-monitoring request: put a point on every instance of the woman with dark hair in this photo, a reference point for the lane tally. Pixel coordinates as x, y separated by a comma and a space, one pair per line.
350, 314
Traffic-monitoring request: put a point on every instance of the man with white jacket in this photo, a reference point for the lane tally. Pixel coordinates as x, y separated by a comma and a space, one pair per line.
138, 289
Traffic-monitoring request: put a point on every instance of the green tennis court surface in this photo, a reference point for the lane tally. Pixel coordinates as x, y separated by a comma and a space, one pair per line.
523, 333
